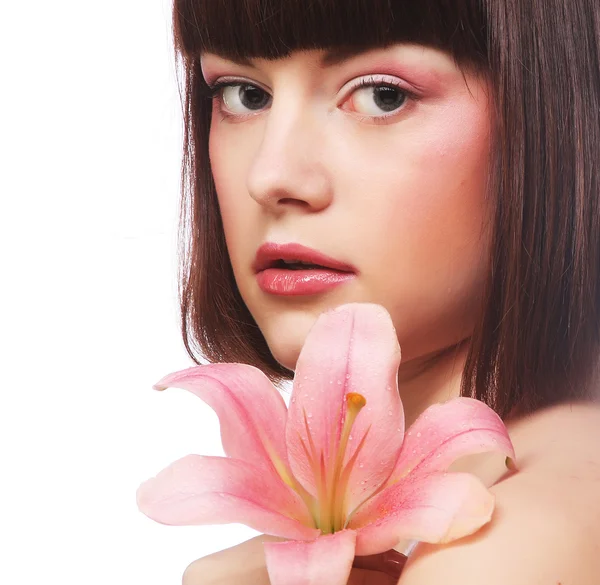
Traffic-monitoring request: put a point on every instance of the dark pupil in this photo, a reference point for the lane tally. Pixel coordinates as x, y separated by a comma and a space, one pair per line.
388, 98
252, 97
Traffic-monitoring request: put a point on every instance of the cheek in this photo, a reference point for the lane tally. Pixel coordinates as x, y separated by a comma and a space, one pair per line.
438, 186
223, 169
423, 230
229, 167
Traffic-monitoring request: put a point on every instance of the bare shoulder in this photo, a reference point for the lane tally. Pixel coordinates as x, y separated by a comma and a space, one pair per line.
546, 526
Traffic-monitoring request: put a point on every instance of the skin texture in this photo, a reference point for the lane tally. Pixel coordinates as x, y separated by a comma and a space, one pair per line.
401, 198
404, 201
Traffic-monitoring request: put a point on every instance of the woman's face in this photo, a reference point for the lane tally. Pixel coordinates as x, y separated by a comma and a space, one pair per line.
388, 177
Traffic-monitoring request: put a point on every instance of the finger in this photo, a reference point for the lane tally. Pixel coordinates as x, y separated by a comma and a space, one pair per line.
244, 562
366, 577
390, 563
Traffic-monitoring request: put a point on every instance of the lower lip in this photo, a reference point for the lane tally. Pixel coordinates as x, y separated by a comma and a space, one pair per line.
279, 281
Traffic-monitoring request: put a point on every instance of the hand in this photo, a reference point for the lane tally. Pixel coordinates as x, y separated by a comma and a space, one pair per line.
244, 564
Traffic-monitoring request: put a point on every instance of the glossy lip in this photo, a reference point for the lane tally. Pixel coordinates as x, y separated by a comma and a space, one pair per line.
268, 255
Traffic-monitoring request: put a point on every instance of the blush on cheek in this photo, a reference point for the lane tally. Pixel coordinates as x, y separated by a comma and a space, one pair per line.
458, 152
461, 135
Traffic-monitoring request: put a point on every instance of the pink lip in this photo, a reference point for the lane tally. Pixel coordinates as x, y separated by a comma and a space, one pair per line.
268, 254
276, 280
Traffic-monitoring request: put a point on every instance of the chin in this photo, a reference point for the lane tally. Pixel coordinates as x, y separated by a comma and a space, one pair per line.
285, 346
285, 333
287, 356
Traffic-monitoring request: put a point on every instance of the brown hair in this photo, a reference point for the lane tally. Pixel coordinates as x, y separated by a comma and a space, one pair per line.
537, 339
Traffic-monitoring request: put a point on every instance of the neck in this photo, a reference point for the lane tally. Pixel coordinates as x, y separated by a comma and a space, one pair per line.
430, 379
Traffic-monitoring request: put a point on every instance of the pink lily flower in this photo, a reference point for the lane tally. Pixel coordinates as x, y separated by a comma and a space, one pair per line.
335, 473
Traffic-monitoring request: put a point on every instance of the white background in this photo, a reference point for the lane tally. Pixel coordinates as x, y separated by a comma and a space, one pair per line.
90, 147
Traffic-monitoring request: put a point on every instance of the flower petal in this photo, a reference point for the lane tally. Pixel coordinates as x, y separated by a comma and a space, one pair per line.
251, 411
353, 348
445, 432
434, 507
217, 490
328, 559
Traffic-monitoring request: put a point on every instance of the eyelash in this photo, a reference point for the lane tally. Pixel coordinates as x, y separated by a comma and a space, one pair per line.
214, 92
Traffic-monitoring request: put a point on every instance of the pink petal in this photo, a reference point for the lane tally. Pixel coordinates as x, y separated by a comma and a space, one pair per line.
435, 507
216, 490
328, 559
445, 432
251, 411
353, 348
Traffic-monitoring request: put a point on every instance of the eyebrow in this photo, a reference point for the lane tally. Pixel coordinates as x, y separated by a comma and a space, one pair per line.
332, 57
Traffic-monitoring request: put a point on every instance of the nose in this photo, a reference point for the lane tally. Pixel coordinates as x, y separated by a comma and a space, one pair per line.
289, 169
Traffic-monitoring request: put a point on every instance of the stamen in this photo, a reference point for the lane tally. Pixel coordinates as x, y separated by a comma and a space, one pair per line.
340, 514
320, 478
355, 400
328, 510
291, 481
355, 403
326, 523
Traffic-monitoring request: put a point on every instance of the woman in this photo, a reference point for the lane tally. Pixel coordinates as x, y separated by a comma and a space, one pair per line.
443, 155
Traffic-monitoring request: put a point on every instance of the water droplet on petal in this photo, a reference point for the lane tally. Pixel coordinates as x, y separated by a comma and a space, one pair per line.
308, 415
390, 413
418, 434
414, 451
439, 455
361, 465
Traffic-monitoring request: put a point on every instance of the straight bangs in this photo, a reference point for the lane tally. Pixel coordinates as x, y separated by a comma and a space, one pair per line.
536, 340
216, 325
270, 29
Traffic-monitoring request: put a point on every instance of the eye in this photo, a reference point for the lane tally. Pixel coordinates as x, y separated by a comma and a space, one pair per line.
377, 98
239, 98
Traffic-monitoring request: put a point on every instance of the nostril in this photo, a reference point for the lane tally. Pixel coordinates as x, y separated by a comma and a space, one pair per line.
292, 201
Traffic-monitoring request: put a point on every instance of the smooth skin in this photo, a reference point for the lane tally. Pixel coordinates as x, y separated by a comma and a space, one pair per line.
394, 184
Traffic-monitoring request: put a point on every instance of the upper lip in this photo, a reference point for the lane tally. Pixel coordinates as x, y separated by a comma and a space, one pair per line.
270, 253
